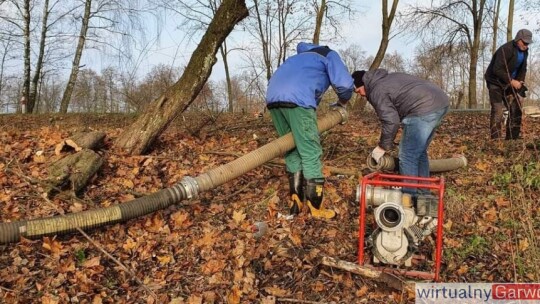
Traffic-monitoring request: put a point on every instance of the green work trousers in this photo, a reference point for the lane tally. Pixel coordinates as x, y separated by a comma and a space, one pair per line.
306, 156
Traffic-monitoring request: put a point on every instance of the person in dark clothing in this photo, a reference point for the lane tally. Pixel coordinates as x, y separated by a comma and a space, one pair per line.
415, 103
504, 77
293, 95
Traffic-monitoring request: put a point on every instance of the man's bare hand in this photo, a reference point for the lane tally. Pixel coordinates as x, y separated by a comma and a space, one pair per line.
516, 84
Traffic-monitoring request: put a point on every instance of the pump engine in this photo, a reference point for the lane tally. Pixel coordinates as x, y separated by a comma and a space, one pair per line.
400, 224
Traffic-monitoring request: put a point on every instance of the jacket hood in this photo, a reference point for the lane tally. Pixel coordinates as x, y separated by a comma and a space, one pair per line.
305, 46
371, 77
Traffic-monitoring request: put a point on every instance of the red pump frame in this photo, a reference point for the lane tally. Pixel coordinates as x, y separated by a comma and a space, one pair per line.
381, 179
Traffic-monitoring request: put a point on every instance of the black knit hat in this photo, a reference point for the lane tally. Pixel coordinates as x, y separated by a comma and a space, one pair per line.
358, 78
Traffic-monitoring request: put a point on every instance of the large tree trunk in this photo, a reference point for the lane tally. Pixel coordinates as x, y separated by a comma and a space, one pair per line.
66, 98
159, 113
39, 65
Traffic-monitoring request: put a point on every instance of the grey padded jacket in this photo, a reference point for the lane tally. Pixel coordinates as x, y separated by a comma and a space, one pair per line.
395, 96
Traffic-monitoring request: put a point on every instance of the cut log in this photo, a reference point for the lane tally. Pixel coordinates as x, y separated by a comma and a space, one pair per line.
79, 141
74, 171
89, 140
377, 275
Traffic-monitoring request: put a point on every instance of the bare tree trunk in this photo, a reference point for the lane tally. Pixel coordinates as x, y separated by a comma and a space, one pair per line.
160, 113
387, 20
510, 20
66, 98
478, 14
223, 51
495, 25
321, 10
264, 41
39, 65
26, 34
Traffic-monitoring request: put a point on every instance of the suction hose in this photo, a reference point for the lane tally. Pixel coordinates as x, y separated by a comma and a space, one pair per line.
389, 163
188, 188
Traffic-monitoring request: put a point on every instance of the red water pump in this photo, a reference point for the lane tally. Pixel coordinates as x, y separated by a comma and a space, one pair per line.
401, 223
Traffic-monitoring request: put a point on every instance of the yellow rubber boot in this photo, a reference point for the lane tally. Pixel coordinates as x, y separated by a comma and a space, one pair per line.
296, 191
314, 198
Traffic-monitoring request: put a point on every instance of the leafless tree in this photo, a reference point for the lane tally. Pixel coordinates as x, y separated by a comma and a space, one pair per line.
387, 19
496, 10
452, 22
333, 13
510, 24
162, 111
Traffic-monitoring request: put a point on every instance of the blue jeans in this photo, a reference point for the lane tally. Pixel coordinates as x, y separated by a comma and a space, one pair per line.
417, 134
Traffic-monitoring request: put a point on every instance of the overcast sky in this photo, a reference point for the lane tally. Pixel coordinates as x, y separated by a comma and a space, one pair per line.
365, 31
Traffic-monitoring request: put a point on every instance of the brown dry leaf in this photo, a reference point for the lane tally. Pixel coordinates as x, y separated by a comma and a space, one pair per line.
181, 219
501, 202
213, 266
269, 300
296, 239
164, 259
129, 244
362, 291
128, 183
238, 216
95, 261
208, 239
76, 207
234, 295
463, 269
97, 300
523, 244
317, 286
276, 291
490, 215
195, 299
482, 166
326, 172
157, 224
52, 245
49, 299
273, 206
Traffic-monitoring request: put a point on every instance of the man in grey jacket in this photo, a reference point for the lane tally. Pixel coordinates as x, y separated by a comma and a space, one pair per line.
416, 103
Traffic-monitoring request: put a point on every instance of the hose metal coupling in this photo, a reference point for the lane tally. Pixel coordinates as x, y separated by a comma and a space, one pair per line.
344, 114
190, 186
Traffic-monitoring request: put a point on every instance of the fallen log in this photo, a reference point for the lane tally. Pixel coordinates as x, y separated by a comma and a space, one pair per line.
90, 140
74, 171
377, 275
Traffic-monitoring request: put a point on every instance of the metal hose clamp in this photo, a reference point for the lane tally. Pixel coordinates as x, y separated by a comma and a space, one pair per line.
344, 114
190, 186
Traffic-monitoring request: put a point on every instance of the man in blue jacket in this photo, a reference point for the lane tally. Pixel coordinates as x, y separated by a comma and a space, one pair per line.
401, 99
294, 92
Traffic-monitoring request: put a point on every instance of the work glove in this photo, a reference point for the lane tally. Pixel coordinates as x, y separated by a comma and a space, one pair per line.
377, 154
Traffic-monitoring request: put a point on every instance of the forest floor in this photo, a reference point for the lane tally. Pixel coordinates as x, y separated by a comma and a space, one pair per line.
204, 251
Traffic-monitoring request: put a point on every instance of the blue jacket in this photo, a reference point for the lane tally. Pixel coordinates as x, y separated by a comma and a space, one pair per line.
303, 78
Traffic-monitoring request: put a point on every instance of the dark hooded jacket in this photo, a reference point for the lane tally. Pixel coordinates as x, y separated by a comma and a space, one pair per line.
395, 96
503, 63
